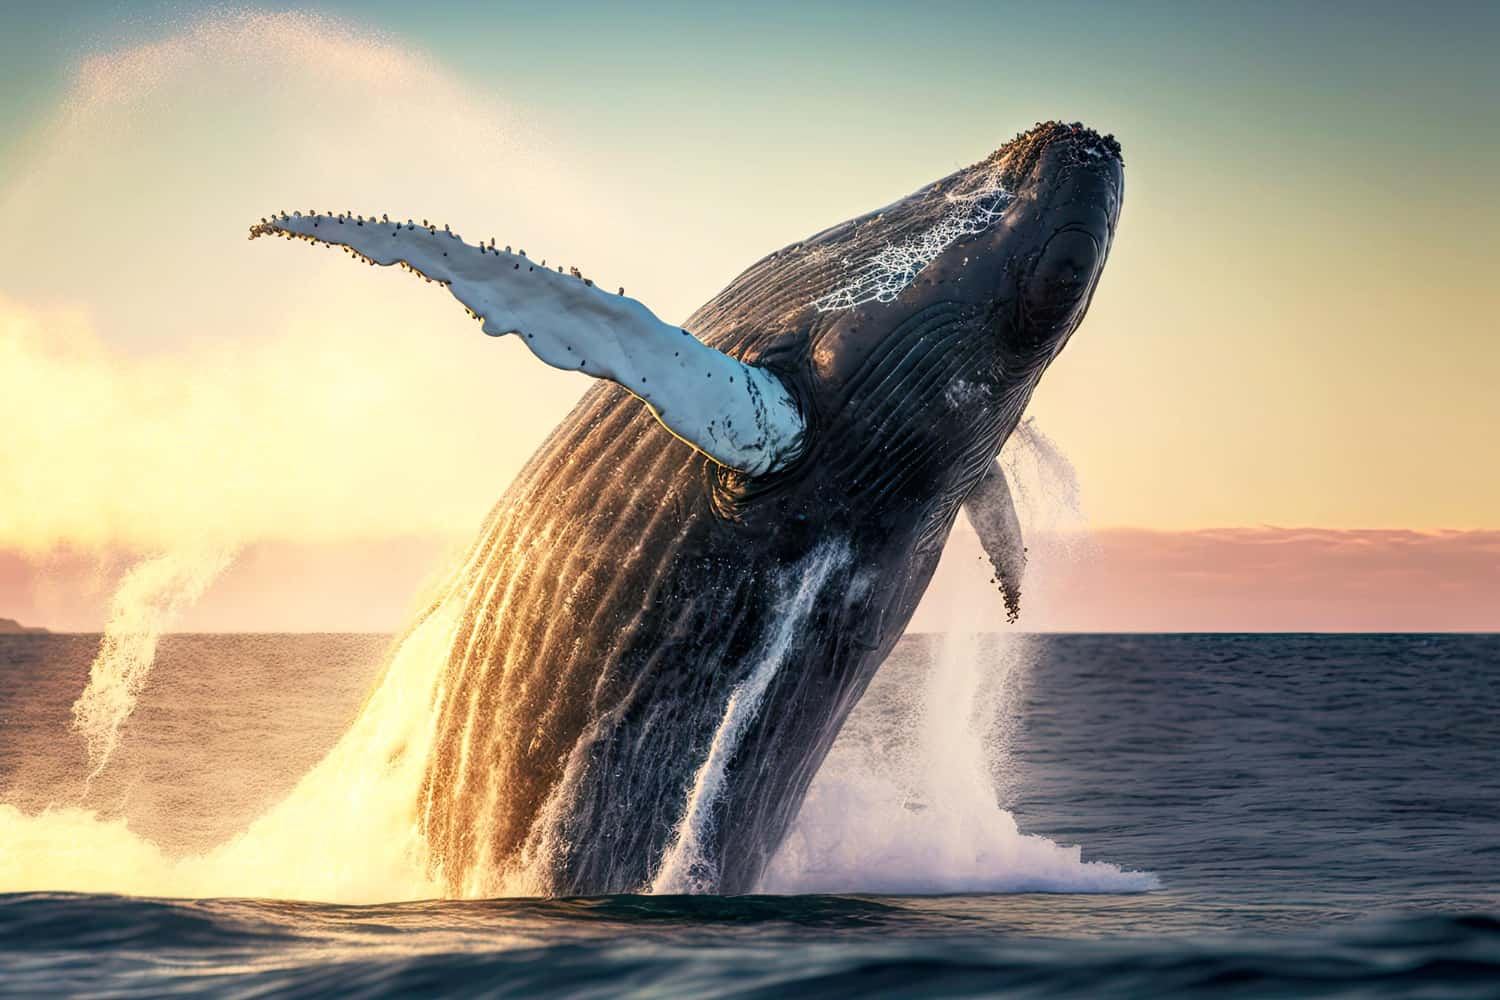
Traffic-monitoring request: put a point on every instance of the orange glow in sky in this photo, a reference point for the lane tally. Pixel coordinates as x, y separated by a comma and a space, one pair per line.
1282, 336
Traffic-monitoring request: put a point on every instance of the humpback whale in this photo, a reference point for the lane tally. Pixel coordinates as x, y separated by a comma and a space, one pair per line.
676, 604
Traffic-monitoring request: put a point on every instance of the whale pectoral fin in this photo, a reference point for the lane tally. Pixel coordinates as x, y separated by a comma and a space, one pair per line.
741, 416
992, 512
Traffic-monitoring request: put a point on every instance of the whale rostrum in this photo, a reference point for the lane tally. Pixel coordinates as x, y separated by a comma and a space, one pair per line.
740, 415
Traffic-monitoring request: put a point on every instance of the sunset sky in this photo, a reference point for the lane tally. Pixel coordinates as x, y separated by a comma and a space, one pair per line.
1282, 407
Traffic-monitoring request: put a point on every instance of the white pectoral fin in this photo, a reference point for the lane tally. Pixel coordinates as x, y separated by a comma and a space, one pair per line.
992, 512
741, 416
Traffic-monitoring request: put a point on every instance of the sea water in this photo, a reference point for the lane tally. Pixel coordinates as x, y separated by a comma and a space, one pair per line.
1210, 815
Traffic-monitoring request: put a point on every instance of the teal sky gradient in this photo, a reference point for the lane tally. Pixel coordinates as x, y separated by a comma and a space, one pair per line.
1297, 325
1396, 81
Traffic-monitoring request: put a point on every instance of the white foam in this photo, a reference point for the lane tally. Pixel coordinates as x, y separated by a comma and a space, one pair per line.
910, 800
907, 800
147, 601
349, 831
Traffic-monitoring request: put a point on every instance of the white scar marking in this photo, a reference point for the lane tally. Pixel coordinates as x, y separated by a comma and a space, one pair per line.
891, 269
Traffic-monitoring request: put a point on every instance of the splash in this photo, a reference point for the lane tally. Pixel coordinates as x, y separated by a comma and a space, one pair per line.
1044, 479
907, 800
348, 832
149, 598
256, 426
905, 803
910, 800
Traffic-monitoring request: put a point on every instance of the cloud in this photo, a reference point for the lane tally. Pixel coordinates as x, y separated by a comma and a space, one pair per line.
1236, 579
297, 436
163, 379
1133, 580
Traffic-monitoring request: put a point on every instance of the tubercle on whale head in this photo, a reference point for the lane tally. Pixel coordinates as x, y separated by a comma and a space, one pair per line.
1045, 207
1075, 188
1010, 248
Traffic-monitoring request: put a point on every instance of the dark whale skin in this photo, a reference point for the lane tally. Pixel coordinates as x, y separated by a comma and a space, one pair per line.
625, 585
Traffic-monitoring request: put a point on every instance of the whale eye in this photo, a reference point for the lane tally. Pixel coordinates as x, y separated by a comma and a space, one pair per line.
1062, 276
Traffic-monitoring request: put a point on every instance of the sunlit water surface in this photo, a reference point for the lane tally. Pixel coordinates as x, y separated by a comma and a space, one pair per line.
1322, 813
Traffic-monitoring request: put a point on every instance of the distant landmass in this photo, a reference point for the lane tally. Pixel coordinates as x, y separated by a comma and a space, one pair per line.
9, 626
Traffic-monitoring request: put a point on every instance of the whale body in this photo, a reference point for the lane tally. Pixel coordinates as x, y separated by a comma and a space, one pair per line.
675, 606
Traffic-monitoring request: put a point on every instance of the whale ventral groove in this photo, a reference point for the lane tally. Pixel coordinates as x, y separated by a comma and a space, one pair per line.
642, 569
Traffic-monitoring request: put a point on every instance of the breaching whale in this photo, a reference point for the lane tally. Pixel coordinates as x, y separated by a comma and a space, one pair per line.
675, 606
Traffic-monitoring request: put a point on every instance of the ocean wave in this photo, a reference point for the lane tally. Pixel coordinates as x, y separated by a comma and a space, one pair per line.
704, 946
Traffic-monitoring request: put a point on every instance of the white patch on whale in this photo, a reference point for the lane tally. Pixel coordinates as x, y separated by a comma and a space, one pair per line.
891, 269
688, 866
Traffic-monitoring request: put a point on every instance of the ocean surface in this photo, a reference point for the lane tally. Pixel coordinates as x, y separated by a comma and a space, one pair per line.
1280, 816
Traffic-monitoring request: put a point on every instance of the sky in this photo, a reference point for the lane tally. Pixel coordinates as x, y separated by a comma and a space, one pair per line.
1294, 337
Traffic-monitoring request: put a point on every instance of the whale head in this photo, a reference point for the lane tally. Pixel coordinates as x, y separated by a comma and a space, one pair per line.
1013, 246
928, 323
1048, 250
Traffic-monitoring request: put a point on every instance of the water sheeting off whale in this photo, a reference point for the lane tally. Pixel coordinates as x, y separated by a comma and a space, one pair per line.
668, 616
